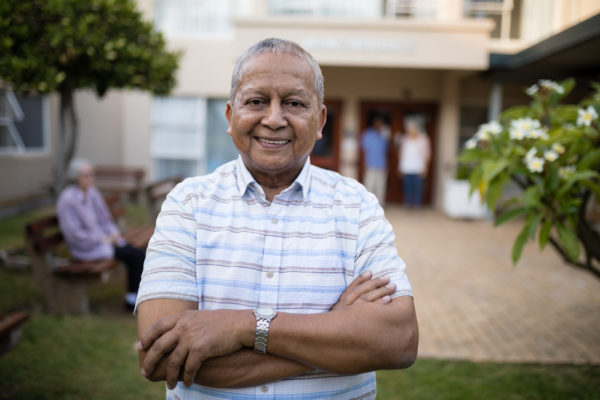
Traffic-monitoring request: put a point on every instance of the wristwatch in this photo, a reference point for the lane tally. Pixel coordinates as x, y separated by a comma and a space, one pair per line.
263, 316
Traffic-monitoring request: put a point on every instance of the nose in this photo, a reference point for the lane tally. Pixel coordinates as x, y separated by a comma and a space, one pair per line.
274, 117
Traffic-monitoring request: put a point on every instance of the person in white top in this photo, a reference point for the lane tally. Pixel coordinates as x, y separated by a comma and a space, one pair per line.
414, 158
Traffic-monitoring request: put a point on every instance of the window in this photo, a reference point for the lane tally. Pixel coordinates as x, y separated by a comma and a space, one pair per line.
198, 17
189, 136
24, 122
504, 13
326, 8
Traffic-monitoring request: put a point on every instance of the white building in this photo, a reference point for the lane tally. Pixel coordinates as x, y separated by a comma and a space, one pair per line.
451, 63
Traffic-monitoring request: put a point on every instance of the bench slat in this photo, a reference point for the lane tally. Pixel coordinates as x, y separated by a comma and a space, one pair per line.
11, 321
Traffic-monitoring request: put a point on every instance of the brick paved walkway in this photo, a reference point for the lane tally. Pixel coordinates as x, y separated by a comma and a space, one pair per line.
472, 304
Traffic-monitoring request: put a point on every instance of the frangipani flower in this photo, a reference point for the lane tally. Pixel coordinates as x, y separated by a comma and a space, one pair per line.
531, 90
566, 172
558, 148
586, 116
492, 128
526, 128
471, 143
551, 85
535, 164
550, 155
530, 154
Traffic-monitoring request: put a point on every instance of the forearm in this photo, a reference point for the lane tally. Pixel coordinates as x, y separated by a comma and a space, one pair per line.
247, 368
363, 338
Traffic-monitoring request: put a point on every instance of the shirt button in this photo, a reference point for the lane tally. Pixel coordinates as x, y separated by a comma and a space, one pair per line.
269, 274
274, 220
264, 389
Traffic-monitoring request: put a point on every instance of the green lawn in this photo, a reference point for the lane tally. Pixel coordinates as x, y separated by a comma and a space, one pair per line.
93, 357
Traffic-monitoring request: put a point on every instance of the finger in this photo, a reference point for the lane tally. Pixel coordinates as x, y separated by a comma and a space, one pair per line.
192, 366
372, 284
174, 364
156, 330
362, 278
350, 294
160, 347
379, 292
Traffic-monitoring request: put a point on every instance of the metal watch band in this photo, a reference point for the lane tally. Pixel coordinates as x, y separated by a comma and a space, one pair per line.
264, 316
262, 334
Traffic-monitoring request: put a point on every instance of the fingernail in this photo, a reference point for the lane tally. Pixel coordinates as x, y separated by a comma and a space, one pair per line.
143, 371
139, 345
366, 274
386, 278
386, 299
391, 286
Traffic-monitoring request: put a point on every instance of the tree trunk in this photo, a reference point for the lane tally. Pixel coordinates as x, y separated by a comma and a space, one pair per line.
67, 140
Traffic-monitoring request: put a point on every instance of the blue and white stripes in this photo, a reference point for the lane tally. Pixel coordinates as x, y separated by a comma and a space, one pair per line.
218, 242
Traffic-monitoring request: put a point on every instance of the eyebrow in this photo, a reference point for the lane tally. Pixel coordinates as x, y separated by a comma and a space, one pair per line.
292, 92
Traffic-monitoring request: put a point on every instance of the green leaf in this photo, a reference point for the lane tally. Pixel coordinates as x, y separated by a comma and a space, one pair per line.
519, 244
569, 241
492, 168
532, 196
494, 193
510, 214
576, 177
545, 233
589, 160
532, 224
594, 187
475, 178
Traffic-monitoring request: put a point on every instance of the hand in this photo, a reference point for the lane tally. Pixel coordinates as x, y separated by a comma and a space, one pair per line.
366, 290
189, 338
112, 239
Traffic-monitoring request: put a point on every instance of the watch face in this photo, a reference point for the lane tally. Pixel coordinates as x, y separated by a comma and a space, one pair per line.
265, 312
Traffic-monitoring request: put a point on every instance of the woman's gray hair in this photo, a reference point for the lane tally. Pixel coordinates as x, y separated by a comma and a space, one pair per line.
75, 167
278, 46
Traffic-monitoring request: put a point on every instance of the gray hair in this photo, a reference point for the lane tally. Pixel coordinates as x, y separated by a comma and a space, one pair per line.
278, 46
75, 167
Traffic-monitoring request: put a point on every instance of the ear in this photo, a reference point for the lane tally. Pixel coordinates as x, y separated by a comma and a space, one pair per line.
322, 120
228, 116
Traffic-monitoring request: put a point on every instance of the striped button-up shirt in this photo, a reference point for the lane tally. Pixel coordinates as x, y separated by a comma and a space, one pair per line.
220, 243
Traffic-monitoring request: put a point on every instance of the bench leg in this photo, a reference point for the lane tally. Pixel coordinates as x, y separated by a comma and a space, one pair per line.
69, 296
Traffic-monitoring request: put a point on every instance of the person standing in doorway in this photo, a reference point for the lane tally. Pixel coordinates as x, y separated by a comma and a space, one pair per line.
374, 143
414, 158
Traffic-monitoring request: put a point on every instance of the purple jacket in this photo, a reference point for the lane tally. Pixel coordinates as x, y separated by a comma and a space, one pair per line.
85, 221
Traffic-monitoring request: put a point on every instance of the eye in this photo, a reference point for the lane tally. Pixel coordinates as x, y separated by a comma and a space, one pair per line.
255, 102
295, 103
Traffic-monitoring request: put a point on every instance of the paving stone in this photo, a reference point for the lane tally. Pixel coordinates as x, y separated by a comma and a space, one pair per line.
473, 304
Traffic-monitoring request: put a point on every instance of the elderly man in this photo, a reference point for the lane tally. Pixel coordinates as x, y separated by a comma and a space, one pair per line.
270, 277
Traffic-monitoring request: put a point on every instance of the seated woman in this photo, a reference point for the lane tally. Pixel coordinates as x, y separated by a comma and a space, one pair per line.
88, 227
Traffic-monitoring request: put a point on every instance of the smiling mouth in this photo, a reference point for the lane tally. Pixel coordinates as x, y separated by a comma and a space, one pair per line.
271, 141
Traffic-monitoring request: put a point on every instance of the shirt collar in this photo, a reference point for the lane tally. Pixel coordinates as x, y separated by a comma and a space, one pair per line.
245, 178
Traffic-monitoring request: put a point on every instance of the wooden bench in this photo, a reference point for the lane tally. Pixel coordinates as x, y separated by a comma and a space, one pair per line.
156, 193
65, 281
10, 329
117, 180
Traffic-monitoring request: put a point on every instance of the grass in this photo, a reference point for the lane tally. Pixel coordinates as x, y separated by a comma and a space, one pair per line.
93, 357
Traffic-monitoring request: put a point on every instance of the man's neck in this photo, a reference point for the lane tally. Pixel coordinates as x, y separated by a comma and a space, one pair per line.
274, 183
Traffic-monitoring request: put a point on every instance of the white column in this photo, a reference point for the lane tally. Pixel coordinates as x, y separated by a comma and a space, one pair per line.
495, 102
448, 132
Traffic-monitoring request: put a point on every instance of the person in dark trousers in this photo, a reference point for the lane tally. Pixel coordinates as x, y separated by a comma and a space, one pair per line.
89, 230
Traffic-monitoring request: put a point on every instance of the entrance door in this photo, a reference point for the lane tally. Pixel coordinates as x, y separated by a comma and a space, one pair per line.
395, 115
326, 153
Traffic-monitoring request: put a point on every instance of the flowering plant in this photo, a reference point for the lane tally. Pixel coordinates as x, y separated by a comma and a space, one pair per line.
552, 152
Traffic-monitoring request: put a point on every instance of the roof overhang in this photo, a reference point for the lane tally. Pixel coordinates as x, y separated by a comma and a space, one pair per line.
574, 52
396, 43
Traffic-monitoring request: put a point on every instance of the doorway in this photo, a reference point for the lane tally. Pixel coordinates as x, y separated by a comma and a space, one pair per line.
395, 115
326, 153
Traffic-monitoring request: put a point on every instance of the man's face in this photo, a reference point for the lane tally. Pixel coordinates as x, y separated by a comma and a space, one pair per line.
275, 117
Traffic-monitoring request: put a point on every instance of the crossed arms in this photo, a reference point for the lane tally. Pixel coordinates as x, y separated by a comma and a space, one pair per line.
364, 331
